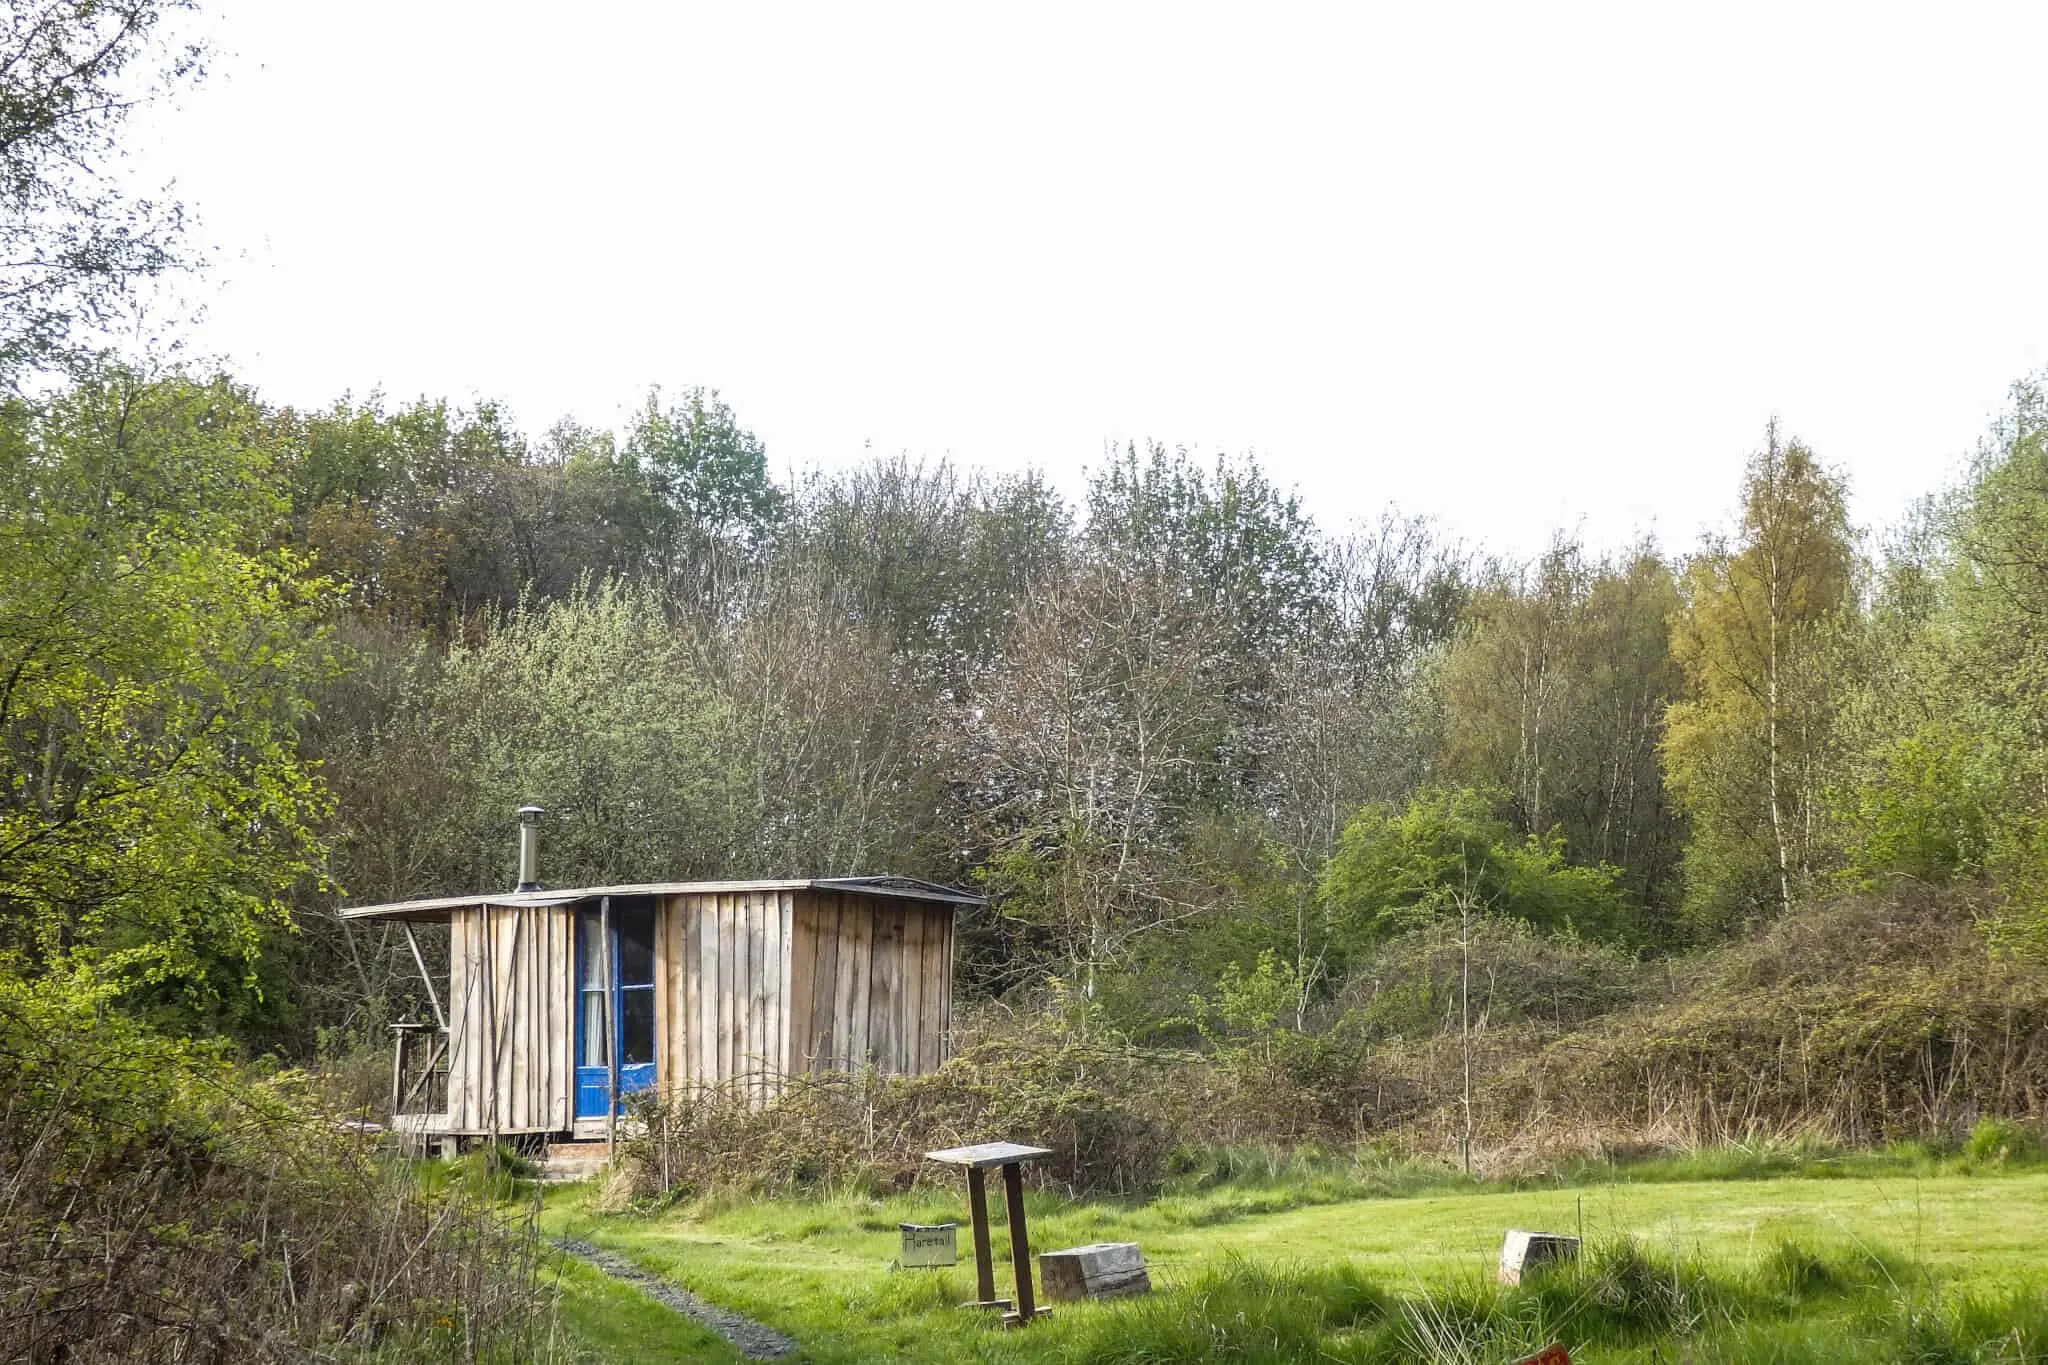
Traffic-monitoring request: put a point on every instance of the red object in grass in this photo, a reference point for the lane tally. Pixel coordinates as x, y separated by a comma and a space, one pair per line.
1549, 1355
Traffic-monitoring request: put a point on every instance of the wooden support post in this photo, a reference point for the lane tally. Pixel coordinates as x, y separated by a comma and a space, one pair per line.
1020, 1242
398, 1072
426, 977
611, 1040
984, 1259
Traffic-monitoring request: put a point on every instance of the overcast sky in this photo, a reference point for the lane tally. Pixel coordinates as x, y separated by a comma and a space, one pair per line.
1516, 266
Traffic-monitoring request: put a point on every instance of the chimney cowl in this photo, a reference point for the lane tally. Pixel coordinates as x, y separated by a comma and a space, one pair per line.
529, 848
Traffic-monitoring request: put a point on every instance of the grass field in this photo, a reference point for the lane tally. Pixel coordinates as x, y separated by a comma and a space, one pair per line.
1875, 1260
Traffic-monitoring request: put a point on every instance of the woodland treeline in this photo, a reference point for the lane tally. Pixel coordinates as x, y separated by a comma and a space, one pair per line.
1326, 829
260, 660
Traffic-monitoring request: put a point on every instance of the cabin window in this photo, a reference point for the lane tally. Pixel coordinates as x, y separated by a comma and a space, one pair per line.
590, 983
636, 985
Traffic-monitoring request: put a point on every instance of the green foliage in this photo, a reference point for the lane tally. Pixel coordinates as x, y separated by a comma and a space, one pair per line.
153, 672
1745, 749
935, 561
163, 1203
1225, 538
1924, 809
75, 240
591, 707
1557, 692
2001, 1140
1446, 852
706, 474
1256, 1002
409, 508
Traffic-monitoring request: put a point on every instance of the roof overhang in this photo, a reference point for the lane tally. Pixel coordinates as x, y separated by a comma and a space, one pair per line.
441, 907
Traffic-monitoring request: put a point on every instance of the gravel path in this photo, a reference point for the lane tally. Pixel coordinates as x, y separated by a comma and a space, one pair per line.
754, 1341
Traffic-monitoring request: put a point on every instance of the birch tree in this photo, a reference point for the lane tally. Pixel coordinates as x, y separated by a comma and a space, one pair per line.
1744, 750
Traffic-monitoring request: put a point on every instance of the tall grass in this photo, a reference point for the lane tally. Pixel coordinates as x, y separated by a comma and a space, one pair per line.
1795, 1304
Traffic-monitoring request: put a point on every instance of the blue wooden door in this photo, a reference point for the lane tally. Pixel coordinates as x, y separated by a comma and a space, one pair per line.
631, 988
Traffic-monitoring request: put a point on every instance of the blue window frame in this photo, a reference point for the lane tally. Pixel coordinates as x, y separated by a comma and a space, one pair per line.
632, 1046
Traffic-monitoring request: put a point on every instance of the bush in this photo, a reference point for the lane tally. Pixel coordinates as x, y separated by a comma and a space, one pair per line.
155, 1204
1408, 986
2000, 1140
1097, 1105
1856, 1022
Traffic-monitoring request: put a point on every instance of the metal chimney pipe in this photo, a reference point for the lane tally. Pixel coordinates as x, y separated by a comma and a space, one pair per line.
529, 848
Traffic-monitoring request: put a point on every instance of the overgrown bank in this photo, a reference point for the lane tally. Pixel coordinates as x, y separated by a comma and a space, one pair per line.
160, 1204
1850, 1024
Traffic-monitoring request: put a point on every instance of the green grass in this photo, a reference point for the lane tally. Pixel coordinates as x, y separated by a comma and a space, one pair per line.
603, 1320
1905, 1258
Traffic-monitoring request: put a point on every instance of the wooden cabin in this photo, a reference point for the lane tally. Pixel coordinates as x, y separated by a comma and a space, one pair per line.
558, 1005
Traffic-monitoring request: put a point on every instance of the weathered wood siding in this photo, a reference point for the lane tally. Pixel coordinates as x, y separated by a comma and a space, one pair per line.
511, 1020
749, 987
873, 981
722, 988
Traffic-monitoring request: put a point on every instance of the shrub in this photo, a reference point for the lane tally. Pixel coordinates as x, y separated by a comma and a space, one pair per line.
1409, 985
1096, 1104
155, 1204
1855, 1022
1998, 1140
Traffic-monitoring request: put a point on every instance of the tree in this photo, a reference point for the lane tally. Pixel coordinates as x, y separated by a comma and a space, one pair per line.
1941, 722
1357, 719
933, 562
1745, 749
592, 707
1445, 853
708, 477
73, 243
153, 673
1086, 751
822, 740
1557, 693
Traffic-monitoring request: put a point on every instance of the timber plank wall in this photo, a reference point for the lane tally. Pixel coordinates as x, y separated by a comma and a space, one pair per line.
757, 985
512, 1020
749, 987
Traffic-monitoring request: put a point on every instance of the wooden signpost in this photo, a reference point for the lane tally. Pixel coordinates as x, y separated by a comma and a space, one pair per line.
977, 1159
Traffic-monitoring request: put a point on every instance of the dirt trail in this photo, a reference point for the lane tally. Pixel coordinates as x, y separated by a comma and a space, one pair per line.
752, 1339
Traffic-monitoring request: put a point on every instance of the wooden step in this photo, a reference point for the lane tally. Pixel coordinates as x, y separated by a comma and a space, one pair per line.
564, 1161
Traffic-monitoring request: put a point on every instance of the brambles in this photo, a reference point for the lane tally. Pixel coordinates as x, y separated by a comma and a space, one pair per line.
157, 1204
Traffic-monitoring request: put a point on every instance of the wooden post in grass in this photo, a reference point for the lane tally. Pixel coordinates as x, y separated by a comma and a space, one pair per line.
1020, 1244
984, 1263
977, 1159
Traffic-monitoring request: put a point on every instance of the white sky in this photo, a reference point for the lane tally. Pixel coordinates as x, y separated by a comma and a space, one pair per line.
1517, 266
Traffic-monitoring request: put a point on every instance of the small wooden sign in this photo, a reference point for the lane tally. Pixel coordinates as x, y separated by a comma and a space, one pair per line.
930, 1244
